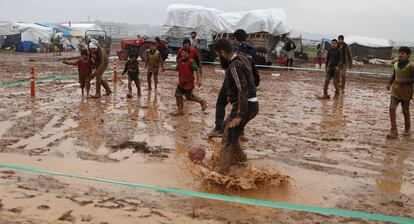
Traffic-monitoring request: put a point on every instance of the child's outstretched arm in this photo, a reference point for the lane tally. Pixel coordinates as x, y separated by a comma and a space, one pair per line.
69, 63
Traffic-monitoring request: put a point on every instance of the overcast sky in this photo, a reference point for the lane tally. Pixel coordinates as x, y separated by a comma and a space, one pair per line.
375, 18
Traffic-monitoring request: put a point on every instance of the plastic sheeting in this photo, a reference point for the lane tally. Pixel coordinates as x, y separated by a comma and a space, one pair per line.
33, 32
78, 29
8, 29
367, 41
273, 21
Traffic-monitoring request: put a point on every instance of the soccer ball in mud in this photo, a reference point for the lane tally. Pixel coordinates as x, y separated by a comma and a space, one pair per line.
196, 153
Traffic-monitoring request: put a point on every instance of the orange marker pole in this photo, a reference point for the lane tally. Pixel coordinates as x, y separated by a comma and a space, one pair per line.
114, 71
32, 82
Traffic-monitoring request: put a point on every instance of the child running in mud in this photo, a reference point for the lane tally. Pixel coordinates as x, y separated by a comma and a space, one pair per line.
186, 68
401, 86
84, 65
132, 67
153, 64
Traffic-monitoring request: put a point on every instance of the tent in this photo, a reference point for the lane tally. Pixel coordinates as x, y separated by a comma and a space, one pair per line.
9, 35
78, 29
273, 21
33, 32
56, 28
369, 47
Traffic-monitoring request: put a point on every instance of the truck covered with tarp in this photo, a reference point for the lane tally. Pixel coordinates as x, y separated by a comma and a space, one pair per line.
265, 27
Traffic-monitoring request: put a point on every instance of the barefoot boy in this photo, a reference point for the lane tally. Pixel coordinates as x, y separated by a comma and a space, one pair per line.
153, 64
85, 70
132, 67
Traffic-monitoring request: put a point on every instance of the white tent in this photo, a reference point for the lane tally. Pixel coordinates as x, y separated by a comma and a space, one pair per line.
273, 21
8, 29
32, 32
78, 29
367, 41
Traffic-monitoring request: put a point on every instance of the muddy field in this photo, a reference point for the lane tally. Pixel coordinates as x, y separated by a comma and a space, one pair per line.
335, 151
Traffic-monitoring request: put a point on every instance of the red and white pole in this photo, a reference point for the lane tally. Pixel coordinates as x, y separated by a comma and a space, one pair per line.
114, 71
32, 82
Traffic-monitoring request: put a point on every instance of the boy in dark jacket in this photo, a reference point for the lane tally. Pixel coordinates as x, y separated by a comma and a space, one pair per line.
132, 67
401, 86
333, 62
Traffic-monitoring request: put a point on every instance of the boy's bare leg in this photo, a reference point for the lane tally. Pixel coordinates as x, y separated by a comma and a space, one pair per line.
138, 85
129, 94
180, 105
155, 74
88, 88
149, 74
197, 99
406, 112
393, 120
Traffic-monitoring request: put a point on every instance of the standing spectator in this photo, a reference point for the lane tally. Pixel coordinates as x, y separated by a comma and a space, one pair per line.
289, 49
194, 40
347, 60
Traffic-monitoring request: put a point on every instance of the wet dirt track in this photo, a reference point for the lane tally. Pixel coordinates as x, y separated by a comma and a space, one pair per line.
335, 150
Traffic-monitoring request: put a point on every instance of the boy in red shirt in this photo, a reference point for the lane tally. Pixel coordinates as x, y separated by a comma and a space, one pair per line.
192, 54
85, 70
186, 68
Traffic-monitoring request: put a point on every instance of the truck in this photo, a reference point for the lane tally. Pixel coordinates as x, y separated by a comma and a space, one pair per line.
265, 28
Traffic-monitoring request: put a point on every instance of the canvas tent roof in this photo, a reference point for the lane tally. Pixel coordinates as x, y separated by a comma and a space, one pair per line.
78, 29
273, 21
8, 29
367, 41
65, 32
32, 32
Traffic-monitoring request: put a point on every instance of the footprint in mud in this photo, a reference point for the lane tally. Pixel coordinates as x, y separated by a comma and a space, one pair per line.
79, 201
67, 217
114, 203
43, 207
142, 147
99, 158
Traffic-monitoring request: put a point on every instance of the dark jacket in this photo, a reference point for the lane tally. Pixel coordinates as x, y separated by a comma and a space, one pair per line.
347, 58
132, 67
289, 46
240, 84
334, 57
252, 55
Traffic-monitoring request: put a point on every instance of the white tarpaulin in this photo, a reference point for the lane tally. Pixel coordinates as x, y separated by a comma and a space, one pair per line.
8, 29
32, 32
78, 29
273, 21
367, 41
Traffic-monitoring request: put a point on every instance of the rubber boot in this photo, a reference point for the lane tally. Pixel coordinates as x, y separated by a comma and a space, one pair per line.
239, 154
180, 105
225, 159
393, 120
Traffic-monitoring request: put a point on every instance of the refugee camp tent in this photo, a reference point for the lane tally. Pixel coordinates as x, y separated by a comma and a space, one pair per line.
9, 35
78, 29
56, 28
33, 32
210, 20
368, 47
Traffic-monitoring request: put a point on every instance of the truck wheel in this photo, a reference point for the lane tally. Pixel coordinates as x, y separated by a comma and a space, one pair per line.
142, 50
